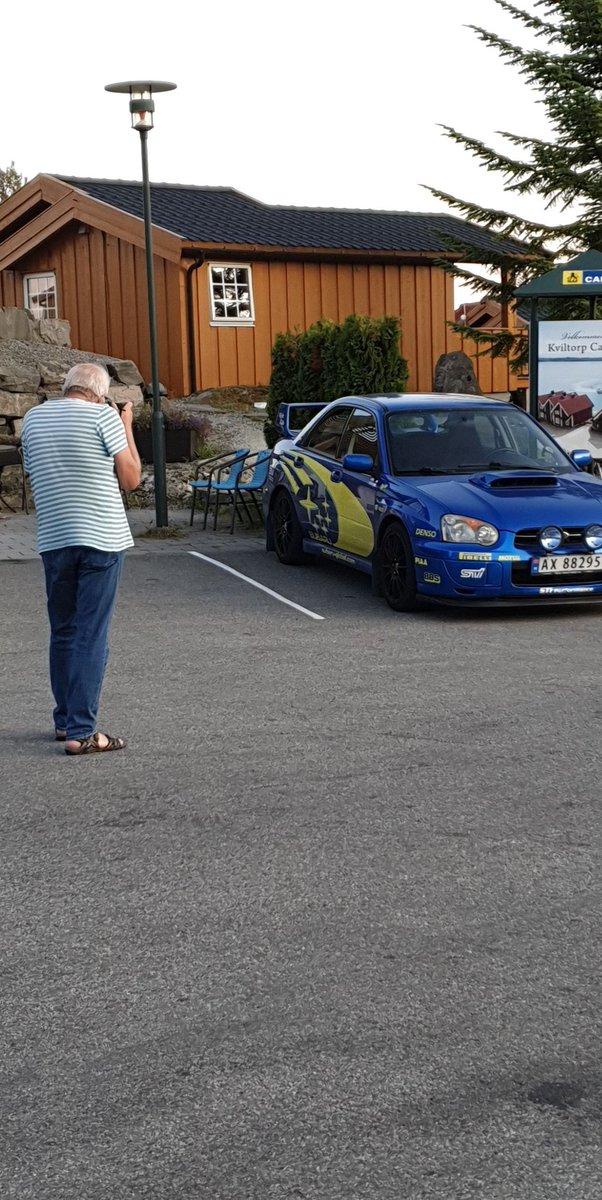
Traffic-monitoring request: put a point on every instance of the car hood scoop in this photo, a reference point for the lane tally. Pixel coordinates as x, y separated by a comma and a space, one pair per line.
513, 480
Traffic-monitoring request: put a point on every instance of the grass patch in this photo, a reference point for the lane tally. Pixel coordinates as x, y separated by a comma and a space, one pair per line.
170, 531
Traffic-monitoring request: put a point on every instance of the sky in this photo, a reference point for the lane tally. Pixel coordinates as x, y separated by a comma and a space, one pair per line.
326, 103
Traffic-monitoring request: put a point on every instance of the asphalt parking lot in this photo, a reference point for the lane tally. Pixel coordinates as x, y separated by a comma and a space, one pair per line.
328, 929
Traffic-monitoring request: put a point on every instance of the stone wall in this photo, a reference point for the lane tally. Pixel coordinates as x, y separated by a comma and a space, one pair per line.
36, 355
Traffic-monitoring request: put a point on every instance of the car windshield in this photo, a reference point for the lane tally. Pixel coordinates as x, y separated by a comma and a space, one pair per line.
451, 441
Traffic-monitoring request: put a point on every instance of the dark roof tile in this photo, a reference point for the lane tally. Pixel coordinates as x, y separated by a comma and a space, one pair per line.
225, 216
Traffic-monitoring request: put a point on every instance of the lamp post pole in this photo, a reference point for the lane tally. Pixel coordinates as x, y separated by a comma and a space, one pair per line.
158, 429
142, 107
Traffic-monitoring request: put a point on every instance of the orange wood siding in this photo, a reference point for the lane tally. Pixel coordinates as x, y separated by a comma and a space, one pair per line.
296, 295
101, 286
493, 375
11, 290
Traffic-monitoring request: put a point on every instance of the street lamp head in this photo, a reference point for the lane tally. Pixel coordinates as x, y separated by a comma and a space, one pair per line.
142, 105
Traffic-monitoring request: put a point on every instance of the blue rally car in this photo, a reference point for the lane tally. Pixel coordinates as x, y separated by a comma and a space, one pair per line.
457, 499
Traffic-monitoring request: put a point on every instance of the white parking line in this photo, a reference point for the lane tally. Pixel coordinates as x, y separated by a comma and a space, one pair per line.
291, 603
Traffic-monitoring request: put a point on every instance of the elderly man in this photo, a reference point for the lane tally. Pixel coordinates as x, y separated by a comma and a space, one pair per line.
79, 452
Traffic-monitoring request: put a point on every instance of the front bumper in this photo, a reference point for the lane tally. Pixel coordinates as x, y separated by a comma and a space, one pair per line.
468, 575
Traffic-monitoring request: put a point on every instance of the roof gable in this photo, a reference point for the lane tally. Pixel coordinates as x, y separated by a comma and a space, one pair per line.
569, 403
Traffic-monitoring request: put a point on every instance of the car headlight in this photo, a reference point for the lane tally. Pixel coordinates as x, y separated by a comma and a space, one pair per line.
468, 529
593, 537
551, 537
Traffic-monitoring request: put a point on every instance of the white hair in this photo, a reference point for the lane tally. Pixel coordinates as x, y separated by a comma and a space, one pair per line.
87, 377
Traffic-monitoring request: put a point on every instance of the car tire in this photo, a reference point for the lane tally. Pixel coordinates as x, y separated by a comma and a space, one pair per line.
395, 569
286, 531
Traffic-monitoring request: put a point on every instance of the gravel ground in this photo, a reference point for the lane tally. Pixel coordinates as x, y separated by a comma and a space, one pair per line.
234, 430
29, 354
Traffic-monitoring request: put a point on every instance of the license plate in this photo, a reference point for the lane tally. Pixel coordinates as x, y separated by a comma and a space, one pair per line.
564, 564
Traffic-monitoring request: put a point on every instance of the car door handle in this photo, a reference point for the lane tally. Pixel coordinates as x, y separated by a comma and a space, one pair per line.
336, 476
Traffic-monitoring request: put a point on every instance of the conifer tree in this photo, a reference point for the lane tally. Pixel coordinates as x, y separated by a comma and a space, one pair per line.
564, 172
10, 181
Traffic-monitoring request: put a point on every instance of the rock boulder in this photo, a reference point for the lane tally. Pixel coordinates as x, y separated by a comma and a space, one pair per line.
124, 371
121, 395
454, 372
18, 377
53, 331
16, 404
16, 323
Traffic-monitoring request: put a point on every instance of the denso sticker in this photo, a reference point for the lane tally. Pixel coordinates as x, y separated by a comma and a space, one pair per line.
430, 578
562, 591
475, 557
472, 572
426, 533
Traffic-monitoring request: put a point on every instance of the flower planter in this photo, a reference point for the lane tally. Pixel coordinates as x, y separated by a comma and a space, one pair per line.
179, 445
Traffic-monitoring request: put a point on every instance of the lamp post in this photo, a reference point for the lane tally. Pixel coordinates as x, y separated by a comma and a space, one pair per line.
142, 107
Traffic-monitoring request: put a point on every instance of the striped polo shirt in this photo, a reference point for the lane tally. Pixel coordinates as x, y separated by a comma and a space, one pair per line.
68, 450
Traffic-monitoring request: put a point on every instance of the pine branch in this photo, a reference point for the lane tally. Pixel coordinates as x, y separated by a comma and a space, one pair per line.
502, 224
547, 30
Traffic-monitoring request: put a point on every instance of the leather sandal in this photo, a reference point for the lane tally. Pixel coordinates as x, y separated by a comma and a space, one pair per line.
91, 745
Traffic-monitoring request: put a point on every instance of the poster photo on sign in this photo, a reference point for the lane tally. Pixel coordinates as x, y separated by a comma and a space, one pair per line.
570, 372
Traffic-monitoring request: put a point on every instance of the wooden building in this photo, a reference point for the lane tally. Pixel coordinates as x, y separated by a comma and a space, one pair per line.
567, 409
230, 274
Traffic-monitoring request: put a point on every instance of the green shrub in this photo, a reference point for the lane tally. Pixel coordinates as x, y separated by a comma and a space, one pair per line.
311, 360
283, 380
358, 357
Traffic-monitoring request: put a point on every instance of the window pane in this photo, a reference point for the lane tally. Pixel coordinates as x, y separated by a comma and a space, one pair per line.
40, 295
360, 435
326, 436
230, 288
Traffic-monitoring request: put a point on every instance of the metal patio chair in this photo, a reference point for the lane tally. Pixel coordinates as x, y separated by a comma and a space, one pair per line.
217, 482
260, 463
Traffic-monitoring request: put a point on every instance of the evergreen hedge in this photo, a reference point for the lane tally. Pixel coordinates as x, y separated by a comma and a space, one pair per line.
359, 356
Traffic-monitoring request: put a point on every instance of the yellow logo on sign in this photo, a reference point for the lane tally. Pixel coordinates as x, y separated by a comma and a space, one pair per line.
572, 277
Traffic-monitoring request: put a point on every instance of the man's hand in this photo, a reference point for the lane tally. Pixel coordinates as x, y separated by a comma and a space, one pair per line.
126, 412
127, 462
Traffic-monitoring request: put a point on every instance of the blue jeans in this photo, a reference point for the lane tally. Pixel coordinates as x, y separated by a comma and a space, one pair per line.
81, 588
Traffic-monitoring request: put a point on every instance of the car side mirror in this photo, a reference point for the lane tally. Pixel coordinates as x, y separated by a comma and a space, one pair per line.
362, 463
582, 459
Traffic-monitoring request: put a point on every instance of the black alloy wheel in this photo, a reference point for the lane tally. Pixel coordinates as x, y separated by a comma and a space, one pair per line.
286, 531
396, 572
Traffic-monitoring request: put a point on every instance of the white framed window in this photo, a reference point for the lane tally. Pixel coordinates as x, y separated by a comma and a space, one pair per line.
231, 294
39, 295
